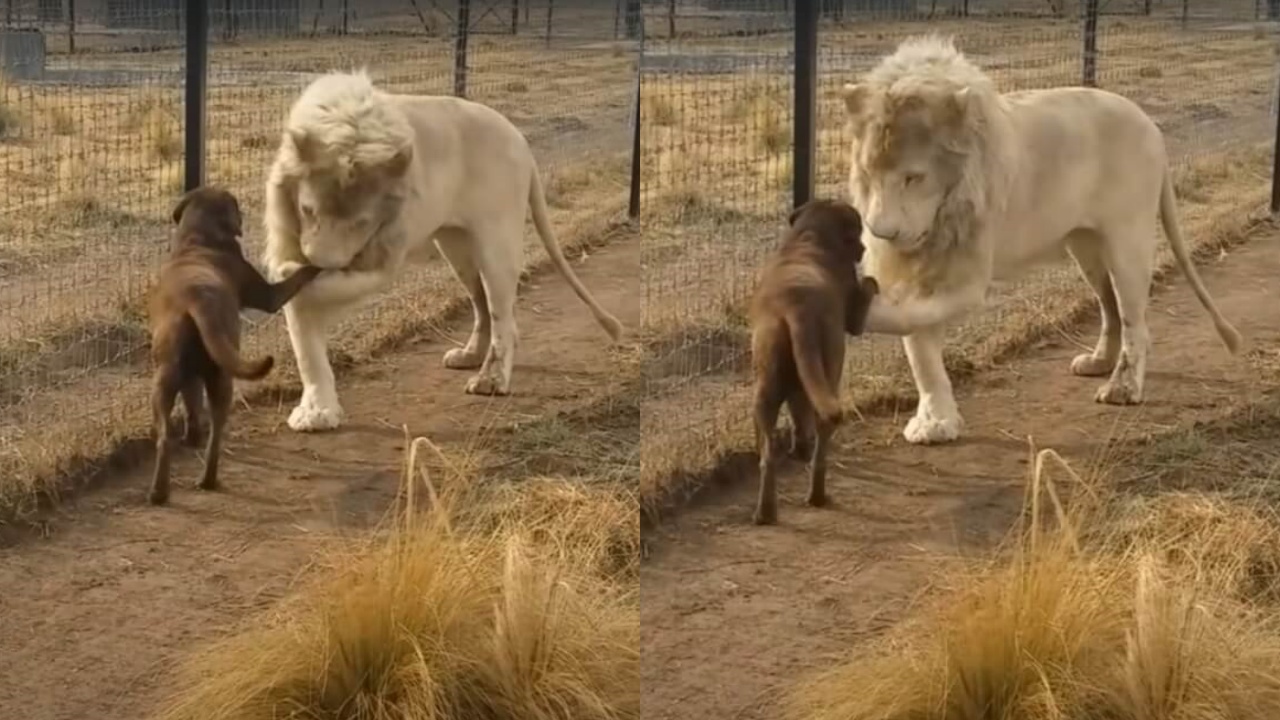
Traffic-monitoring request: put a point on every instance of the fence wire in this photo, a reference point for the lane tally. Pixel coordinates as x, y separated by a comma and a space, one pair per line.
717, 124
91, 157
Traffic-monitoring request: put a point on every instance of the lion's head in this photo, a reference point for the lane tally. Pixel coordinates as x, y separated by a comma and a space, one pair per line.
921, 124
338, 180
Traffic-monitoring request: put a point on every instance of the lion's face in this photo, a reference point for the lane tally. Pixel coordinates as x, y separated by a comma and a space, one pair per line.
338, 220
903, 165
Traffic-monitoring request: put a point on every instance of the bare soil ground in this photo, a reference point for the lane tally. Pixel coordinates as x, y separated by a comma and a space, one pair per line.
94, 615
732, 613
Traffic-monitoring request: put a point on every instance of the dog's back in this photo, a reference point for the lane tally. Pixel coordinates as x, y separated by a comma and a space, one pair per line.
195, 317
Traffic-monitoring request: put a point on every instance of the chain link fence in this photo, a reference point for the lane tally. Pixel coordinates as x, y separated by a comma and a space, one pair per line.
92, 161
717, 111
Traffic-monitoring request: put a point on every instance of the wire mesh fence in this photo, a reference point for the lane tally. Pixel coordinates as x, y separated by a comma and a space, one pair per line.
717, 122
91, 157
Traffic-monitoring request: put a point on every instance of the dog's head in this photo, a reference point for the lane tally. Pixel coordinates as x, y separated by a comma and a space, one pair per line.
208, 215
834, 224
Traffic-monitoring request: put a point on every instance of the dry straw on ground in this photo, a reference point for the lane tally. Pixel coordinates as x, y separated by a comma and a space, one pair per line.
1084, 619
490, 603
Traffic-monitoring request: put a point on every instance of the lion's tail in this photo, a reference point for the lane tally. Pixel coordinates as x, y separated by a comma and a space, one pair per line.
806, 348
1169, 218
538, 203
213, 333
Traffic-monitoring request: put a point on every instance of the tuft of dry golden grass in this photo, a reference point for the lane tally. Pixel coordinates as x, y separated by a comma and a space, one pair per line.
485, 603
1081, 619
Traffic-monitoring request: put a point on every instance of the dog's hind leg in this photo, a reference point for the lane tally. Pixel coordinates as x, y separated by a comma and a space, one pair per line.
768, 402
219, 386
193, 401
164, 392
456, 246
802, 424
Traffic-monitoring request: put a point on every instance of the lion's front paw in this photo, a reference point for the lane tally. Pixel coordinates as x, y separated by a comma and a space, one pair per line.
460, 359
313, 416
486, 385
1121, 392
927, 428
1087, 365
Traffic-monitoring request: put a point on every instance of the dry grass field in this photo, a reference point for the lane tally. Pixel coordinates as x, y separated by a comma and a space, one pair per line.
90, 174
716, 154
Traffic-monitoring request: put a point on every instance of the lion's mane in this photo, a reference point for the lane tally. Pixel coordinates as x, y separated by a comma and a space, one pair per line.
339, 127
928, 71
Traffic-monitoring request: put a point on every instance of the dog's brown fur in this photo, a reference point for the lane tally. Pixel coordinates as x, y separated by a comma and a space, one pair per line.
809, 296
195, 324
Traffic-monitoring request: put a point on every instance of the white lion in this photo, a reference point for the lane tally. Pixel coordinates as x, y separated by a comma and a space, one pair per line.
960, 185
363, 178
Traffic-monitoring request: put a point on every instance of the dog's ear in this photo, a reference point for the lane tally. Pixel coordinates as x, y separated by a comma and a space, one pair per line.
796, 213
236, 217
181, 207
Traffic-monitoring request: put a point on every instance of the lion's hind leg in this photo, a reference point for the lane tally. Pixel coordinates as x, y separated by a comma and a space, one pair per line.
1130, 256
1086, 250
458, 249
498, 254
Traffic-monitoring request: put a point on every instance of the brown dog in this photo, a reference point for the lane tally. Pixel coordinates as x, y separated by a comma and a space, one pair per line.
195, 324
809, 296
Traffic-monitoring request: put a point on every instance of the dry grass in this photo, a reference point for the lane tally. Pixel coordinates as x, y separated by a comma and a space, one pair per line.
717, 181
1084, 619
496, 603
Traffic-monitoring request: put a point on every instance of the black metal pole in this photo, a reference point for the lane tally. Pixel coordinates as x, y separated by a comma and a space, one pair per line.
1275, 159
461, 32
806, 101
633, 209
1089, 74
71, 27
551, 6
515, 17
197, 76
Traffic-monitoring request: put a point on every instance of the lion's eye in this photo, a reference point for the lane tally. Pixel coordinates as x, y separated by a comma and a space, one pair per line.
912, 179
308, 211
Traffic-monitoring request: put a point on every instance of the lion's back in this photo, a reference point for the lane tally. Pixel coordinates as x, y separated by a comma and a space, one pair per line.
465, 121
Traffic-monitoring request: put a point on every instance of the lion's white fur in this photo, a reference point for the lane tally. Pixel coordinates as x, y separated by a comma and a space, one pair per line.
363, 178
960, 185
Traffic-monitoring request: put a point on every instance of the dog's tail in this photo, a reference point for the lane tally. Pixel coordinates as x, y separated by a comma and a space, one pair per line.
214, 336
806, 348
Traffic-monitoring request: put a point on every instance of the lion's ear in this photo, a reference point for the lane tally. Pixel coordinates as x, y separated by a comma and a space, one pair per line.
303, 147
397, 165
958, 106
855, 98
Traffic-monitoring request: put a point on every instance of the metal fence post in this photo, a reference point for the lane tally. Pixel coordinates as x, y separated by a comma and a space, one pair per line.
197, 60
1090, 70
1275, 150
806, 101
633, 208
460, 48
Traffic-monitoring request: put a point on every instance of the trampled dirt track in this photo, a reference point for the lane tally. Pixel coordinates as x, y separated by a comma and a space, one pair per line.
94, 617
732, 614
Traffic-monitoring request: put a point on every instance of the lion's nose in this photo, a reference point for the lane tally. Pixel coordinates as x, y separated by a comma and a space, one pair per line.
884, 232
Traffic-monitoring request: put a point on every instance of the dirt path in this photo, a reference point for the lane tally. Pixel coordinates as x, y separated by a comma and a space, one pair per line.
731, 614
92, 619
